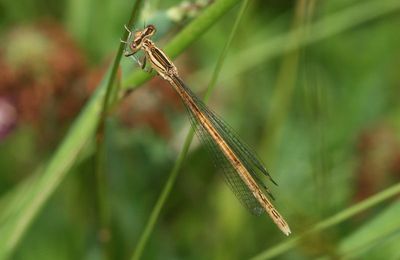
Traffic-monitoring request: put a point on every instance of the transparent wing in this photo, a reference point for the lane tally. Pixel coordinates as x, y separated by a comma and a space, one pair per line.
249, 159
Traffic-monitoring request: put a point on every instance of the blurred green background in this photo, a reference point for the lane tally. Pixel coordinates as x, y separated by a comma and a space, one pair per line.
312, 86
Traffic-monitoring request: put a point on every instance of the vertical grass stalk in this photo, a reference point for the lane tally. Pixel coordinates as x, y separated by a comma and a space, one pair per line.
103, 209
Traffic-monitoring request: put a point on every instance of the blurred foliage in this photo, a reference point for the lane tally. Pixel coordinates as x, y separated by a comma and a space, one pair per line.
312, 85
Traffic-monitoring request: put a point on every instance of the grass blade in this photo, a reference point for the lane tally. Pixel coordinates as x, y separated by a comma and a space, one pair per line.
82, 130
329, 222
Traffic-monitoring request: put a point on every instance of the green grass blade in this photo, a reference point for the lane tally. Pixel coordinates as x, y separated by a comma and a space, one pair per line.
34, 199
103, 208
334, 220
82, 130
377, 229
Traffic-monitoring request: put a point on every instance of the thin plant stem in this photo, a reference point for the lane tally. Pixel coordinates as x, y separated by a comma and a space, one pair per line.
329, 222
182, 155
79, 135
103, 211
155, 213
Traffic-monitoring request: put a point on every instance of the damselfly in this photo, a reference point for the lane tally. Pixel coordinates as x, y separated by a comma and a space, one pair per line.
242, 168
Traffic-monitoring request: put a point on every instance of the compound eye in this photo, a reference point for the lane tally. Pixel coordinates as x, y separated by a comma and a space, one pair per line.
134, 46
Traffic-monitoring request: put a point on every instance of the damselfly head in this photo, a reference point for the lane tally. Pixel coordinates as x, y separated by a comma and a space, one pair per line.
139, 36
137, 41
136, 44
